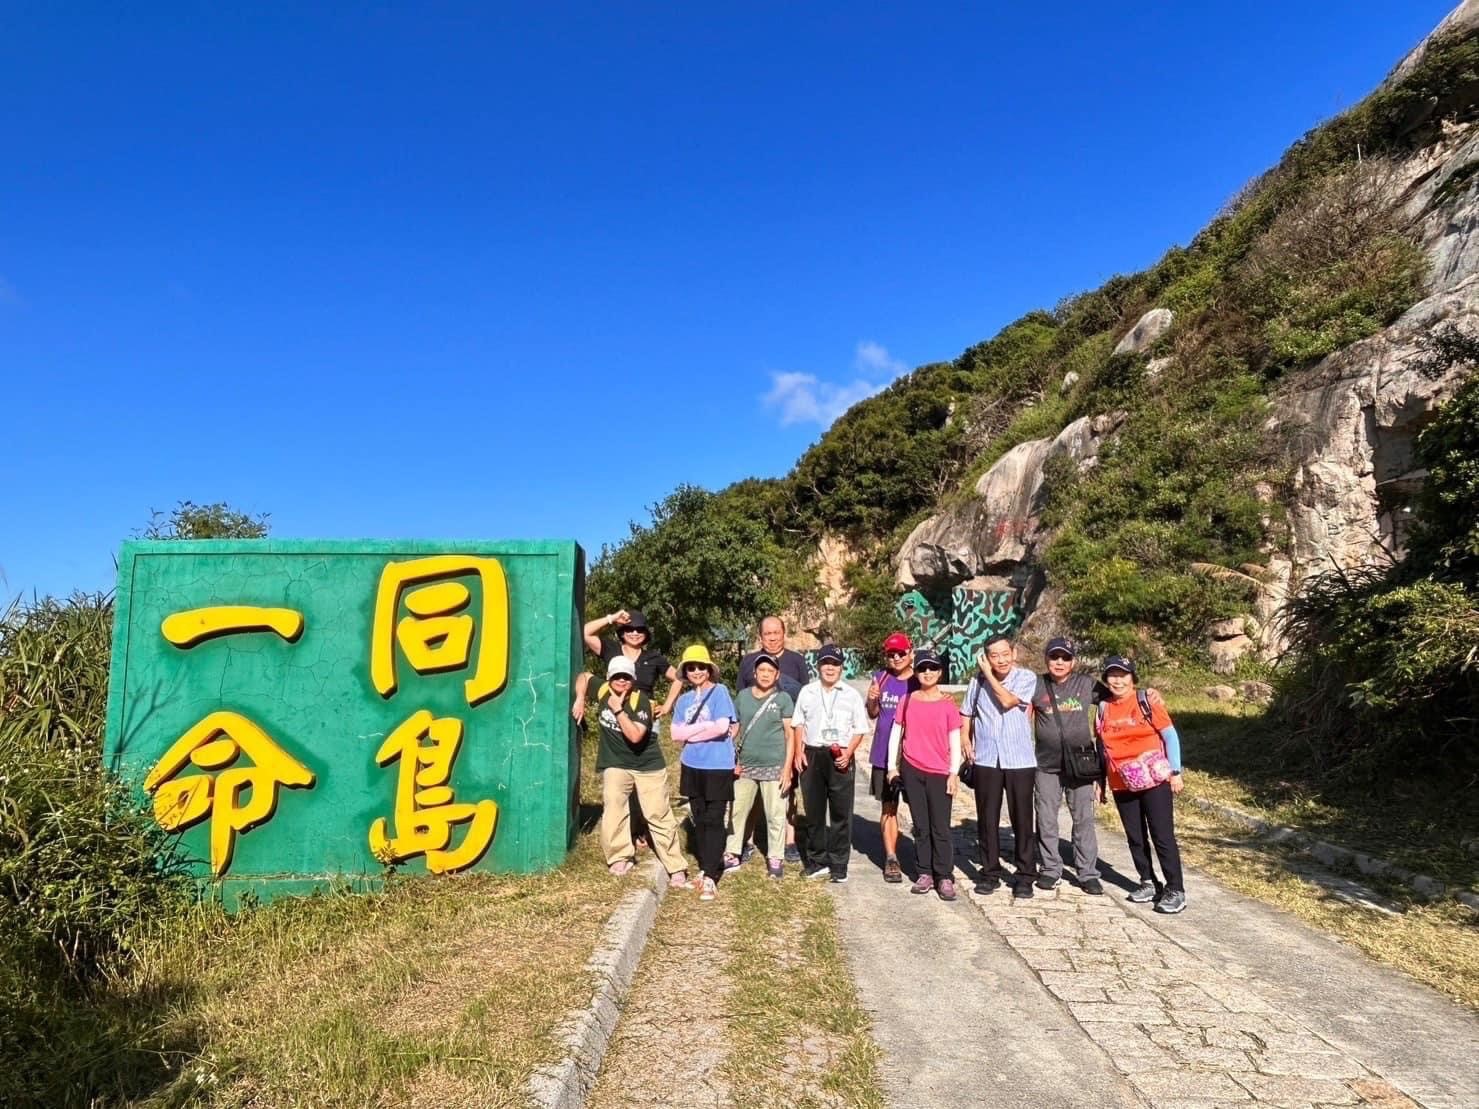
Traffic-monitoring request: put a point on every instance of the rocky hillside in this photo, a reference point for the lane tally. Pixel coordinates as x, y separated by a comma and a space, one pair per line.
1158, 464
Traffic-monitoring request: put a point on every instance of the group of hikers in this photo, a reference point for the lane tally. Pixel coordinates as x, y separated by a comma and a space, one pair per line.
790, 742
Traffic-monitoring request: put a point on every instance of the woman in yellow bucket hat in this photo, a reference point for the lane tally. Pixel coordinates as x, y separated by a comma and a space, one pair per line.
704, 723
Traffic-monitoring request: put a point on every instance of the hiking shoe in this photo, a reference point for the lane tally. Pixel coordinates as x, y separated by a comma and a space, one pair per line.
678, 881
839, 876
923, 884
747, 852
1172, 901
709, 891
817, 872
1046, 883
947, 889
793, 854
1022, 891
1143, 894
774, 869
891, 871
988, 885
621, 867
731, 862
1094, 888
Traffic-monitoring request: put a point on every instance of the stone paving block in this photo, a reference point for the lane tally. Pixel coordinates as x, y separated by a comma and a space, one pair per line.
1301, 1042
1236, 998
1378, 1091
1284, 1091
1046, 960
1178, 958
1212, 1058
1124, 1038
1085, 1011
1144, 998
1196, 997
1257, 1023
1101, 978
1307, 1065
1041, 943
1092, 960
1231, 1037
1188, 1085
1072, 987
1009, 924
1174, 1036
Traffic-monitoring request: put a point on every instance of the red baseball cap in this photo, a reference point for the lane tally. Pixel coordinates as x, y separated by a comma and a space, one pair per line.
898, 642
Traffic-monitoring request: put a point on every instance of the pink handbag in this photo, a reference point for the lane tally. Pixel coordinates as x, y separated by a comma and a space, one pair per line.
1145, 771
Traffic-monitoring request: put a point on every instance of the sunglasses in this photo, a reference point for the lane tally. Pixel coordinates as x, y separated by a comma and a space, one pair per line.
619, 678
692, 666
895, 654
1059, 656
929, 667
633, 631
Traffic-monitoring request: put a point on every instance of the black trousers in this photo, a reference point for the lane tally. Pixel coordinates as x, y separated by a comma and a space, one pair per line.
1147, 814
828, 793
709, 834
929, 808
991, 783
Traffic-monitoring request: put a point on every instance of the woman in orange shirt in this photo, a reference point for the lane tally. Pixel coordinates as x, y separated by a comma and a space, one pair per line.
1142, 753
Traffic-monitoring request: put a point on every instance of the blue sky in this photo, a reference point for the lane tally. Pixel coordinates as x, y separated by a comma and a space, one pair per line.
446, 270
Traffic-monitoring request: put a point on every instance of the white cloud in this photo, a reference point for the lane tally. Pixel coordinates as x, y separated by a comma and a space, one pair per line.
801, 398
874, 358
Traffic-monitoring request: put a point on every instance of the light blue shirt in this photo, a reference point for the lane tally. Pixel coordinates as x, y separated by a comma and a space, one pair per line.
1002, 738
714, 754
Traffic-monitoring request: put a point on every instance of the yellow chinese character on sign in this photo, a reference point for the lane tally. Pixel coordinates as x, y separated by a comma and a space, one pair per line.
186, 629
424, 807
215, 744
434, 637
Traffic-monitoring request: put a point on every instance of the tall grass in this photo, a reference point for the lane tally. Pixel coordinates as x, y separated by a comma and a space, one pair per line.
79, 861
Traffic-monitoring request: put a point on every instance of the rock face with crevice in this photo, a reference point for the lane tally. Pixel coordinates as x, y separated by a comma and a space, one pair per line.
1350, 423
1353, 418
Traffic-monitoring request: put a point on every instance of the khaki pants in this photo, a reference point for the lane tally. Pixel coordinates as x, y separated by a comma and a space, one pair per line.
616, 818
775, 816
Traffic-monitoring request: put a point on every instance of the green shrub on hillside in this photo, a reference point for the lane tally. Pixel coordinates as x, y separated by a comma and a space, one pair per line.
1174, 486
1446, 541
708, 561
1385, 677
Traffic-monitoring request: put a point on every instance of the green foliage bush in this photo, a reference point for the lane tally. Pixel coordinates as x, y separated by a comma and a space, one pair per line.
80, 862
1385, 677
1173, 487
707, 565
1446, 542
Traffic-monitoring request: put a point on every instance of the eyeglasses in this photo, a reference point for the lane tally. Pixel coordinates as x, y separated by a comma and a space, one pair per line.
1059, 656
895, 654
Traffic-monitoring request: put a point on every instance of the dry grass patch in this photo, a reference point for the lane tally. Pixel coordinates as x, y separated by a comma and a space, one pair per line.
670, 1045
1434, 942
1422, 826
452, 984
796, 1031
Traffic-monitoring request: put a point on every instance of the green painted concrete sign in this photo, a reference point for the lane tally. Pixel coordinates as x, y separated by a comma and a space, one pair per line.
303, 711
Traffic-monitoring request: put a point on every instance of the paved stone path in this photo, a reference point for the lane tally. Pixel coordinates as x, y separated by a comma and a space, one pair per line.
1066, 999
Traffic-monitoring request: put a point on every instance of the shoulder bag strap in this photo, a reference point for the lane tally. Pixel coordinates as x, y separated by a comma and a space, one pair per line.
704, 700
739, 740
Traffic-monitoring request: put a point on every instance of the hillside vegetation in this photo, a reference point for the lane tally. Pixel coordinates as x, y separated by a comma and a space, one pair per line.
1311, 257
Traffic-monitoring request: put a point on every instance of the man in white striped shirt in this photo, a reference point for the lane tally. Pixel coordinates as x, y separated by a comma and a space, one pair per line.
998, 731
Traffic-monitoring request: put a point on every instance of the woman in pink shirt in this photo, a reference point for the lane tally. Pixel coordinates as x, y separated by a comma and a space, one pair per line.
926, 738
